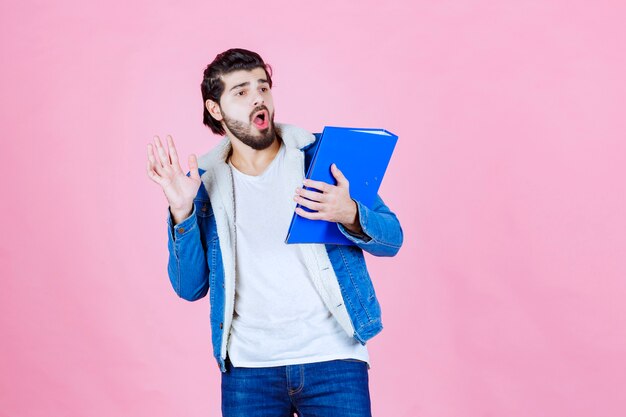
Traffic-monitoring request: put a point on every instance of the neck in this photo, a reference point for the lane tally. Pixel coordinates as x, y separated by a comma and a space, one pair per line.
251, 161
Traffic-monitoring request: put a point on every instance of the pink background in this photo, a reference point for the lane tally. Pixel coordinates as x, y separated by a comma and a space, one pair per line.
508, 297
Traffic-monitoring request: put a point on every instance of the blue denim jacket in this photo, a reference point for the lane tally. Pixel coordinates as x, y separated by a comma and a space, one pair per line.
201, 250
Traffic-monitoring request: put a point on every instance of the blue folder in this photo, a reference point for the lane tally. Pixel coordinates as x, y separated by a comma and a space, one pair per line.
363, 156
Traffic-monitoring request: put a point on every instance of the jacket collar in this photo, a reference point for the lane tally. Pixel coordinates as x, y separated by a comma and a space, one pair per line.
293, 137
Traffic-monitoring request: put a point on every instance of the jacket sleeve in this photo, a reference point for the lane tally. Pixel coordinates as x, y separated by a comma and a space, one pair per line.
187, 267
382, 231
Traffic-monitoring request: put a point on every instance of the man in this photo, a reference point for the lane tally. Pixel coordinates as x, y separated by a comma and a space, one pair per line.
289, 323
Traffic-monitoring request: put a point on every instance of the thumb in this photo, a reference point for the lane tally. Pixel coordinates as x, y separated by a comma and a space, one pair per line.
193, 167
341, 179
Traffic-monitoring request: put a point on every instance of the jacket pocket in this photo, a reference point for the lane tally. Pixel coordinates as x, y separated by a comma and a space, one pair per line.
203, 208
206, 219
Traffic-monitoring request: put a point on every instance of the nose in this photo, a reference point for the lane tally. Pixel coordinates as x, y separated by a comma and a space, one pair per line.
258, 99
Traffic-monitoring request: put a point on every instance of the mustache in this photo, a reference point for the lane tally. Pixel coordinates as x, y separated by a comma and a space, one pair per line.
258, 109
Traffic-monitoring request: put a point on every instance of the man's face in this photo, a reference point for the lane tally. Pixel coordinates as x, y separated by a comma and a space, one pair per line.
247, 108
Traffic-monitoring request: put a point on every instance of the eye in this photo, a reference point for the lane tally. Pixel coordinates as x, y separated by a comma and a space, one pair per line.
240, 93
264, 89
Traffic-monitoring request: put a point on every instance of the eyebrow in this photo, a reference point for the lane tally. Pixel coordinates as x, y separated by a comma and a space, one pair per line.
260, 80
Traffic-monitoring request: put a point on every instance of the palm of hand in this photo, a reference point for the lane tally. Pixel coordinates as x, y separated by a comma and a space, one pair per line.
179, 189
165, 170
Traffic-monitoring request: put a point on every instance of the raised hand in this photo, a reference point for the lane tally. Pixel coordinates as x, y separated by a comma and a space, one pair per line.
164, 169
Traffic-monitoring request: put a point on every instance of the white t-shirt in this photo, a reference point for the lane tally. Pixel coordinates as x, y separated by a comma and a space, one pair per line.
280, 318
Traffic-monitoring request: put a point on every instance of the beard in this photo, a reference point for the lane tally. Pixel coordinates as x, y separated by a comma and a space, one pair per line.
243, 131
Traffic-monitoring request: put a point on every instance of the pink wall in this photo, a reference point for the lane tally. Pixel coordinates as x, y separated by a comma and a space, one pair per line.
508, 296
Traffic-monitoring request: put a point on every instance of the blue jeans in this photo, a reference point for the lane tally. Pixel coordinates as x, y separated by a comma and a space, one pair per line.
337, 388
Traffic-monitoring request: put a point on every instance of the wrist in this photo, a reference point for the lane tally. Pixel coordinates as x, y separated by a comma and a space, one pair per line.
352, 219
180, 214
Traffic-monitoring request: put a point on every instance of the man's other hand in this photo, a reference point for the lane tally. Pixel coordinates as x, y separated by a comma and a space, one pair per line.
331, 203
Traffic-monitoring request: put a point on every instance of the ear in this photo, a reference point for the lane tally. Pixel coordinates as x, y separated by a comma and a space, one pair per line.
214, 109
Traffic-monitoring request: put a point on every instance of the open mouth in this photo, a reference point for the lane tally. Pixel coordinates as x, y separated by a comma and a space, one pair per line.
261, 119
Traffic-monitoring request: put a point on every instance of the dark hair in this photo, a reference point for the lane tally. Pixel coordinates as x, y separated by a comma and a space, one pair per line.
212, 85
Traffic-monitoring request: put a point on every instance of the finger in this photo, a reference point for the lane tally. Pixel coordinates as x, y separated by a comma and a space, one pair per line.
193, 167
318, 185
308, 215
341, 179
152, 157
150, 154
173, 153
154, 161
153, 175
308, 203
312, 195
165, 160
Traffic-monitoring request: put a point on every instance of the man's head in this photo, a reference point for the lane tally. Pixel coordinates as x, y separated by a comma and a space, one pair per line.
237, 96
